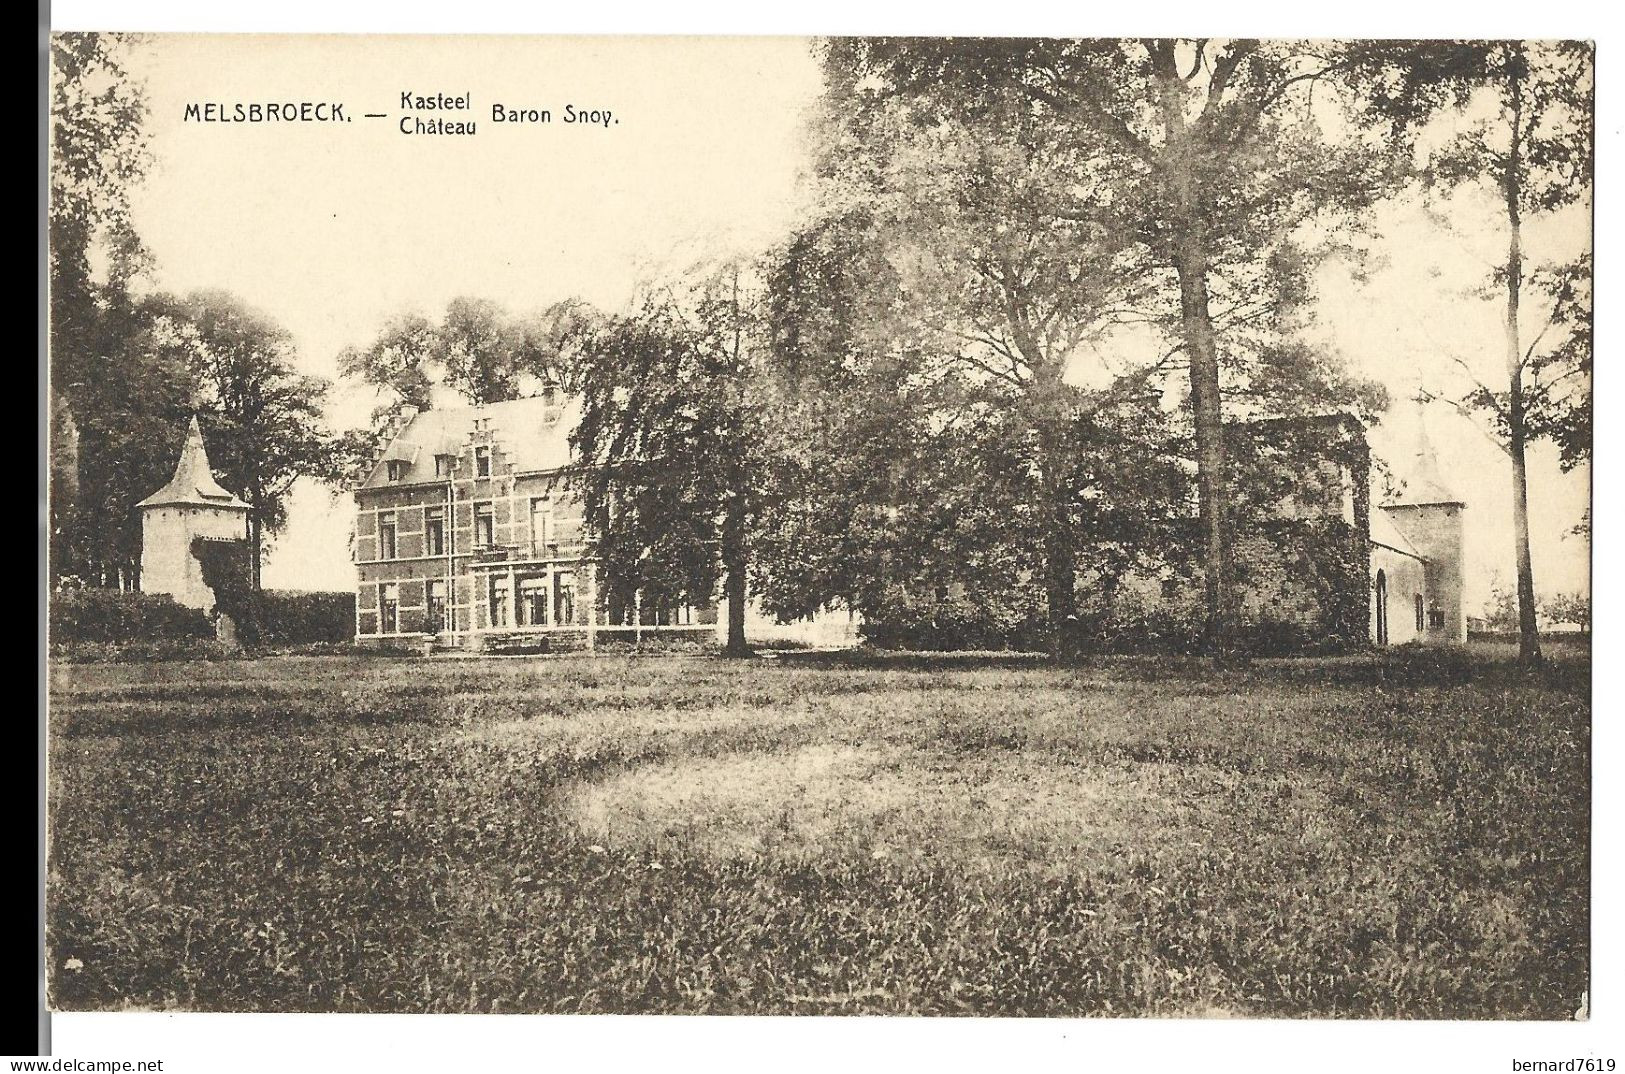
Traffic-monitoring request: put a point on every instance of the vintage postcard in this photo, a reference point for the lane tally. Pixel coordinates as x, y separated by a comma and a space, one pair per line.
995, 527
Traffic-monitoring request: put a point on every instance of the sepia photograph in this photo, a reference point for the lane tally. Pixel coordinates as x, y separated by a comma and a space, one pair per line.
944, 527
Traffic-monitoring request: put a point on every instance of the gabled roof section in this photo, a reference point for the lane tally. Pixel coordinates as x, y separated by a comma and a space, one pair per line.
533, 432
193, 484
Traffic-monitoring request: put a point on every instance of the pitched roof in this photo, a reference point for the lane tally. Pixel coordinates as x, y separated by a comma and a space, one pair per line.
534, 433
193, 483
1385, 533
1424, 484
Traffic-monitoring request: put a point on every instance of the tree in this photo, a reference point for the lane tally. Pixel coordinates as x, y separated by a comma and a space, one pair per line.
477, 350
1500, 610
1572, 608
1213, 157
475, 344
1016, 294
262, 419
1525, 134
98, 152
130, 419
396, 363
668, 449
930, 445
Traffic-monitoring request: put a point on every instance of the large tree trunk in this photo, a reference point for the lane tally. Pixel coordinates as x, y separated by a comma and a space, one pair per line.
735, 562
254, 549
1055, 512
1517, 434
735, 558
1190, 256
1061, 576
64, 484
1213, 493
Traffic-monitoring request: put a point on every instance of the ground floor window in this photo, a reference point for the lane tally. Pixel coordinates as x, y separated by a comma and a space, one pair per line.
499, 602
437, 606
624, 610
533, 601
1421, 614
389, 608
564, 597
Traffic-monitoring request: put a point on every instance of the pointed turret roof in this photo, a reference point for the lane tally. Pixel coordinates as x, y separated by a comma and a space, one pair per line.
1424, 483
194, 482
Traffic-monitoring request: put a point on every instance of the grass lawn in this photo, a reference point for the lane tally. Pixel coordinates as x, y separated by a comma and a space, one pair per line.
1404, 837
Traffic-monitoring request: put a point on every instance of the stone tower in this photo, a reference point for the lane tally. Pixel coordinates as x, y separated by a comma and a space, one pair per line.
1429, 515
192, 505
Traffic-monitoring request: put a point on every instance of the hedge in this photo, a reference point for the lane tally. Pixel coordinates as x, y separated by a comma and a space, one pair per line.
113, 615
296, 617
116, 617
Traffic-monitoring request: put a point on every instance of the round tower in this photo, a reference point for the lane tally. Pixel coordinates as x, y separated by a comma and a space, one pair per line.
1429, 515
192, 505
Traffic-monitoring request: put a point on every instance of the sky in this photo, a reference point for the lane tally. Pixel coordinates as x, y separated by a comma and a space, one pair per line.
332, 228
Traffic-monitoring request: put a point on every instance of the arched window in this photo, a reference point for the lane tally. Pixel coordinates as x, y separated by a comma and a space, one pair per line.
1421, 614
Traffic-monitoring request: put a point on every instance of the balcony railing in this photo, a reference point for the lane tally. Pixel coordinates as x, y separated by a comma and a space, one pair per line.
504, 553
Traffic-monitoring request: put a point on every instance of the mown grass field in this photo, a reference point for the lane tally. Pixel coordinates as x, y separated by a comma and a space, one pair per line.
1405, 837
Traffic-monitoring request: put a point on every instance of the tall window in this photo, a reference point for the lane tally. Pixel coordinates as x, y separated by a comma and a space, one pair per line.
434, 531
564, 598
540, 529
386, 535
482, 461
533, 601
1421, 615
437, 605
485, 525
389, 608
499, 602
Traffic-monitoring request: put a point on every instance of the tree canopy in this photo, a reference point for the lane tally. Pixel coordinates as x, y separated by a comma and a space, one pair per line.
1192, 167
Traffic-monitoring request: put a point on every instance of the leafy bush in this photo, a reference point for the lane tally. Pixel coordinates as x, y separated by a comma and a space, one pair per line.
915, 621
227, 570
115, 616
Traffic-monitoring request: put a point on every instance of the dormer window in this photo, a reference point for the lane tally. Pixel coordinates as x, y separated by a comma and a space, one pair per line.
396, 469
444, 465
